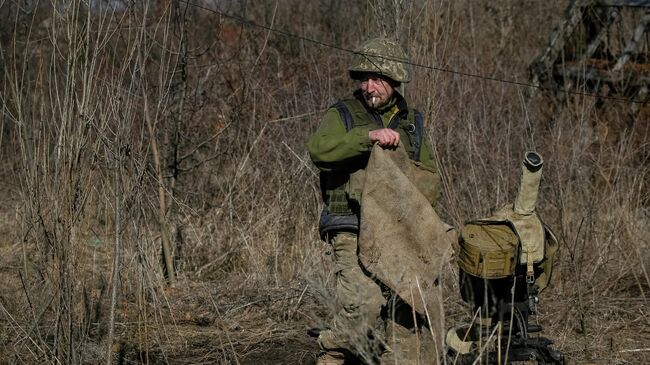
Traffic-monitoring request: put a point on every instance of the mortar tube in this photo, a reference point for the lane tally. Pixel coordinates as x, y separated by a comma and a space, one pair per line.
531, 175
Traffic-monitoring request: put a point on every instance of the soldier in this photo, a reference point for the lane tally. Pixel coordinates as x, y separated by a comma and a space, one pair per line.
376, 114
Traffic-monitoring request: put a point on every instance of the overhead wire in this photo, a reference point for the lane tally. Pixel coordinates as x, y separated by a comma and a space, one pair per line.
285, 33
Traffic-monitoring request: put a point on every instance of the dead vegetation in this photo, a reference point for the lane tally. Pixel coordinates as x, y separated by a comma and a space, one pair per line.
127, 126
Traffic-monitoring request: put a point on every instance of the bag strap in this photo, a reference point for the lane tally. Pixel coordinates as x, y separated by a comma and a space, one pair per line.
345, 114
419, 134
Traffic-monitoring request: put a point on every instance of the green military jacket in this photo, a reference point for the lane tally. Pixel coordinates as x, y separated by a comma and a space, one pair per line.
340, 150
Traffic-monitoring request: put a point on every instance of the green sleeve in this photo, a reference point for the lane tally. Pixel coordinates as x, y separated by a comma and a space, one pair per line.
426, 154
427, 159
332, 143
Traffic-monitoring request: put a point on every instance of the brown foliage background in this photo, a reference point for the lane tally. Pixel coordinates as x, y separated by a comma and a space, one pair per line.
114, 109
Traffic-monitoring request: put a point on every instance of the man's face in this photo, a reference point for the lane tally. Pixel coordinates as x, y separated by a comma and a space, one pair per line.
377, 90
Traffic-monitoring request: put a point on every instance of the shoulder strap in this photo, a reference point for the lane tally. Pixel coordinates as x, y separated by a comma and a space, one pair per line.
419, 134
345, 114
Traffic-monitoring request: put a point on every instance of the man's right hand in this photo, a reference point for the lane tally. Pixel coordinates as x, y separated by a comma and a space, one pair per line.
384, 136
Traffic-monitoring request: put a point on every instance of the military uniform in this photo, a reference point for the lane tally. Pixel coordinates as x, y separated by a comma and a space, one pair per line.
340, 148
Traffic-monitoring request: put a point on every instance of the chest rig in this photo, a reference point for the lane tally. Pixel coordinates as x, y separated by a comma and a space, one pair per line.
339, 188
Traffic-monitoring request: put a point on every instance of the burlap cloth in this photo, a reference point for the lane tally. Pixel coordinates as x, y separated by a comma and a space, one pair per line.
402, 241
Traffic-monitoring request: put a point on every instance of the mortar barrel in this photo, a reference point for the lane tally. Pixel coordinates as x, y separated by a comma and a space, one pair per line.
531, 175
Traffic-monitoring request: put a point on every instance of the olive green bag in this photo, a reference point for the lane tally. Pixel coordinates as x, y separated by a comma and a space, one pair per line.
488, 250
492, 248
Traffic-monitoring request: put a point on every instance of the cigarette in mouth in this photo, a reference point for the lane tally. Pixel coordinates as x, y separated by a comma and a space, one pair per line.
373, 100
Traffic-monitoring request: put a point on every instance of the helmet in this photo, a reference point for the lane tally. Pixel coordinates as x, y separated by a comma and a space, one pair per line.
381, 56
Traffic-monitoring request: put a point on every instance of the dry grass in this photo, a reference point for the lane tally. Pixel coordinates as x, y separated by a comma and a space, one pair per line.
231, 107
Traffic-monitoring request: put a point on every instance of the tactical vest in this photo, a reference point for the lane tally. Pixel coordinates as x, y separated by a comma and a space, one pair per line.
340, 191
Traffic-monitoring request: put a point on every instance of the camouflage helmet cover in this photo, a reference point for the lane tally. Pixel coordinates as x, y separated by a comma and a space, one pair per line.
381, 56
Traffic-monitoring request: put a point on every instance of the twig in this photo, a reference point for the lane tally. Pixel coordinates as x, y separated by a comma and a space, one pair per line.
232, 348
164, 231
426, 312
512, 315
204, 142
15, 323
299, 159
415, 322
635, 350
266, 40
487, 342
300, 298
116, 256
298, 116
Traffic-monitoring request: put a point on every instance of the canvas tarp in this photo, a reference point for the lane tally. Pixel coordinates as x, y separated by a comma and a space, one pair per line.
402, 241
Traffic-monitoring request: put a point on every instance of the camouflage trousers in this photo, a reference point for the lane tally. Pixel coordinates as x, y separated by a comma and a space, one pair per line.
372, 324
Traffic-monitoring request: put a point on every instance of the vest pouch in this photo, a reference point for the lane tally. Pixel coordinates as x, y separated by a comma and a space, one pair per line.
427, 181
334, 186
355, 185
488, 251
338, 203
